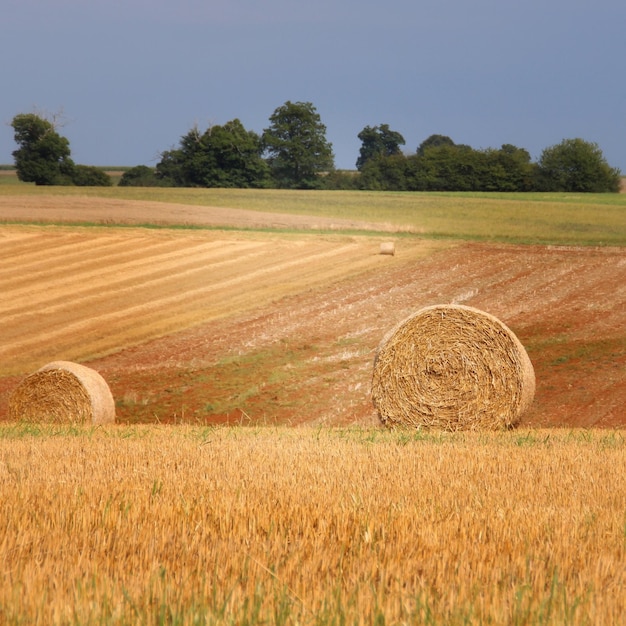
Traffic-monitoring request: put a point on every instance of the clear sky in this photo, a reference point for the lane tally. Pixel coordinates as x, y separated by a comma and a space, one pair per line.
131, 76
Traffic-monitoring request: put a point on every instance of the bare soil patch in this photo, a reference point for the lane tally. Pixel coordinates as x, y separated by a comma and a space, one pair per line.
213, 327
308, 358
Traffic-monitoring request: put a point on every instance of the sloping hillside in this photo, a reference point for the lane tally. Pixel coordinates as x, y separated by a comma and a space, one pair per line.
213, 326
308, 357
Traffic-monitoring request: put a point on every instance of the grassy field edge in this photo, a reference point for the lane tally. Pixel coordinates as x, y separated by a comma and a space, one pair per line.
560, 219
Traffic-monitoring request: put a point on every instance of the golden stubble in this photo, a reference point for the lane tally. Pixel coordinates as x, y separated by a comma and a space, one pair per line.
77, 293
124, 523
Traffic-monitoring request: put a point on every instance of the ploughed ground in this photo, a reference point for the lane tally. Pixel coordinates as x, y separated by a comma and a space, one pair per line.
289, 333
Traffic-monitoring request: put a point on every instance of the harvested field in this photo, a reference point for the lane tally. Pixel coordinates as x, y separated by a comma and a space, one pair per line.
196, 525
308, 358
217, 326
78, 293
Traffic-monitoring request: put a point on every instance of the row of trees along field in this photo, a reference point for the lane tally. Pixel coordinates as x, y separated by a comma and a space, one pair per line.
294, 153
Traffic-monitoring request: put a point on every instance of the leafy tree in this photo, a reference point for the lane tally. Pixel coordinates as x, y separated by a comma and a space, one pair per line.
187, 165
509, 169
43, 156
434, 141
576, 165
222, 156
378, 141
296, 145
442, 166
139, 176
171, 171
90, 176
234, 157
385, 173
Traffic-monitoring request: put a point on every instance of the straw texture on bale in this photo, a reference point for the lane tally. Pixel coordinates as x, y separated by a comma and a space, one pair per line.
63, 392
452, 367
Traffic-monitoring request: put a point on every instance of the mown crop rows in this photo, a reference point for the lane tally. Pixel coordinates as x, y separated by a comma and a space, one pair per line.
277, 525
76, 293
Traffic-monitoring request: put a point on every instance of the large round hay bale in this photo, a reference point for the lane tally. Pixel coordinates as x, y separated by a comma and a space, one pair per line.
63, 392
452, 367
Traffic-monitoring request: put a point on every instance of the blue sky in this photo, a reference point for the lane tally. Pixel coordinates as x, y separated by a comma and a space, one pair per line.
131, 76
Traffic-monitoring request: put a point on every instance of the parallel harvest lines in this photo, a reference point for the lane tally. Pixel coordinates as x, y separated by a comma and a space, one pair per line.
75, 297
146, 263
154, 283
37, 250
82, 254
185, 304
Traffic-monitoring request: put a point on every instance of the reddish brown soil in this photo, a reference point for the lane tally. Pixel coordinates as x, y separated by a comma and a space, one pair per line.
307, 357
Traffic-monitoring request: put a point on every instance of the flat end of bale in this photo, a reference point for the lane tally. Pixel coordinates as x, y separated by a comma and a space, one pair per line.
452, 367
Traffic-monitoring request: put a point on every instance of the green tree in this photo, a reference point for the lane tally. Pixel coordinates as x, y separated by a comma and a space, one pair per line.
434, 141
170, 170
234, 157
509, 169
222, 156
90, 176
442, 166
139, 176
385, 173
575, 165
43, 156
296, 145
378, 141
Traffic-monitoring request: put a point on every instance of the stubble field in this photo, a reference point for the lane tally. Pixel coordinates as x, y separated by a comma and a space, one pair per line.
265, 323
277, 525
281, 325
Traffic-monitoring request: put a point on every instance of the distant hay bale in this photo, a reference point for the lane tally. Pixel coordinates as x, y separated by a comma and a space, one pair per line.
452, 367
63, 392
388, 247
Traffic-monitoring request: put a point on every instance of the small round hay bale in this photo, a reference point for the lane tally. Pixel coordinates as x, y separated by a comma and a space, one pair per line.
388, 247
452, 367
63, 392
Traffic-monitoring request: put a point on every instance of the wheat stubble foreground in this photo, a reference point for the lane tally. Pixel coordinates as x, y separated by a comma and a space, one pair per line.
216, 525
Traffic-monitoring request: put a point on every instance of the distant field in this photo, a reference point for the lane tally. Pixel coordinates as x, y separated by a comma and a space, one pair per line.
572, 219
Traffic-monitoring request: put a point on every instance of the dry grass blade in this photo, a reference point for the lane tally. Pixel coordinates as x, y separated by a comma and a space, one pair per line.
452, 367
63, 392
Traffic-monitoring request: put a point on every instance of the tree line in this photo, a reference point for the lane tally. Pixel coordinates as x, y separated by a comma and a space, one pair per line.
43, 156
294, 153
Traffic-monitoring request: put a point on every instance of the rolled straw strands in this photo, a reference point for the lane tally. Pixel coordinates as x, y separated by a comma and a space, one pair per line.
452, 367
63, 392
388, 247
